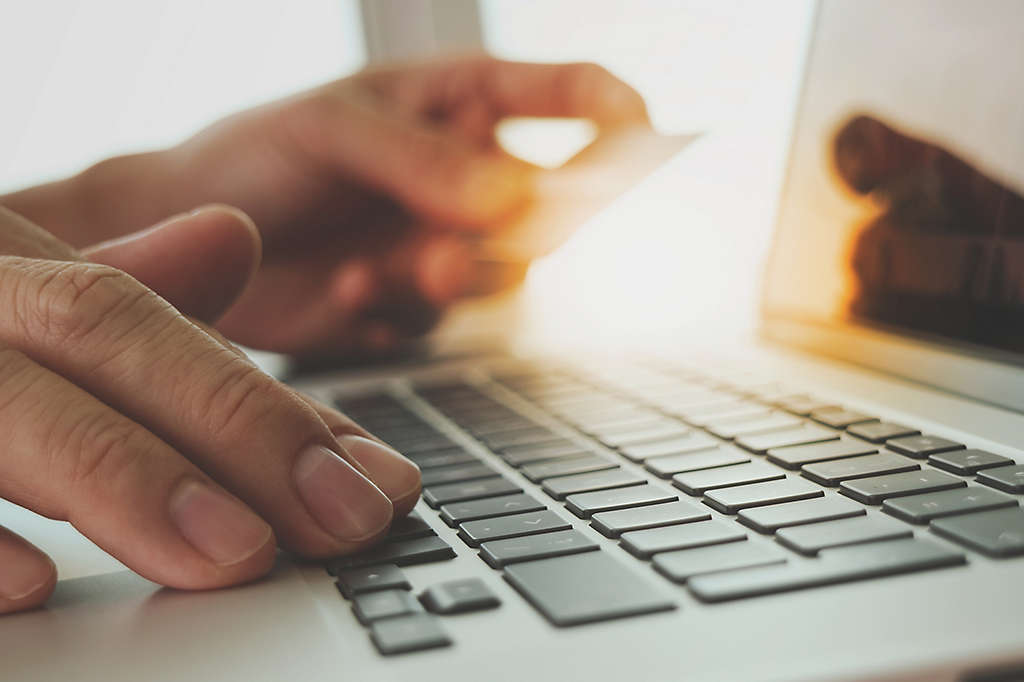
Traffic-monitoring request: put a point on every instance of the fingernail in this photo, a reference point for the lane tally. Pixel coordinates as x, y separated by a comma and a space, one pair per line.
396, 476
23, 571
346, 503
216, 525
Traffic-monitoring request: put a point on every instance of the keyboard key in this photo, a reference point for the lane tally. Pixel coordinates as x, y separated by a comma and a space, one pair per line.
1010, 478
412, 526
519, 456
695, 461
697, 440
459, 596
840, 565
966, 462
809, 433
500, 527
560, 394
401, 553
874, 490
733, 410
997, 533
394, 427
408, 633
701, 400
502, 424
584, 505
682, 565
371, 579
535, 435
879, 432
795, 457
922, 446
594, 423
645, 543
487, 420
585, 408
416, 436
563, 486
679, 402
540, 471
802, 405
770, 519
602, 427
371, 606
840, 417
499, 553
837, 471
442, 458
733, 428
456, 474
584, 588
415, 445
732, 500
614, 523
699, 482
368, 402
437, 495
455, 513
924, 508
645, 435
815, 537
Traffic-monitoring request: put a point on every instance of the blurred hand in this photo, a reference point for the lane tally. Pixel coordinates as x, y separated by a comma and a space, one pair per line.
150, 433
945, 251
364, 191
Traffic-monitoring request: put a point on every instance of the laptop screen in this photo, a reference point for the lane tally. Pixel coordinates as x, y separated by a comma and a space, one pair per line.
904, 201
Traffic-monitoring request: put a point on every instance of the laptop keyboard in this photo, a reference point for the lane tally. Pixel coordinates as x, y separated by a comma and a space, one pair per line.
690, 473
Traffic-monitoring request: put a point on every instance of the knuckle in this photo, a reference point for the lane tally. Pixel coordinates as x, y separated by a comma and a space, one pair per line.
239, 400
72, 301
16, 376
97, 450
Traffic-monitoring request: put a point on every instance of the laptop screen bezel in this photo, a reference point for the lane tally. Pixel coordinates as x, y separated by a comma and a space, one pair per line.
985, 374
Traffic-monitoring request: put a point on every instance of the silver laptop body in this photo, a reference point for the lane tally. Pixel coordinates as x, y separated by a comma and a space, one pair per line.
932, 598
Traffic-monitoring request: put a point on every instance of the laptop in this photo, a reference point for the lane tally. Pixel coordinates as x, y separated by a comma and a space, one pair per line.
837, 500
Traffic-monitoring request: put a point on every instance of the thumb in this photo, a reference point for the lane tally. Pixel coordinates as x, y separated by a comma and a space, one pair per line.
200, 262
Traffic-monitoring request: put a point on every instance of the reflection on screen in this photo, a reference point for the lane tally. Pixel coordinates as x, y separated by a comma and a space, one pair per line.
904, 204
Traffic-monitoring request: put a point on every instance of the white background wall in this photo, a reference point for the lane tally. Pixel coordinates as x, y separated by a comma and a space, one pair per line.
85, 79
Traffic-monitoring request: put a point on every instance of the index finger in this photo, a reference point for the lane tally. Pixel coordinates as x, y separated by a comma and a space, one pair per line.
575, 90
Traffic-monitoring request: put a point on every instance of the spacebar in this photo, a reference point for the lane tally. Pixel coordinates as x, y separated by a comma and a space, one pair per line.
585, 588
839, 565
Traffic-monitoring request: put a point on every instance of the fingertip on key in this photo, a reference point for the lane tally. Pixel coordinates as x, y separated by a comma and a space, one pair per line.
346, 504
396, 476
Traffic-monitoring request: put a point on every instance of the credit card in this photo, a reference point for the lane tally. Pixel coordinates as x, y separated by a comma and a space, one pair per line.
567, 196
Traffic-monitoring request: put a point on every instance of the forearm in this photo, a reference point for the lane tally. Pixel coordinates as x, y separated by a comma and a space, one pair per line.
113, 197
